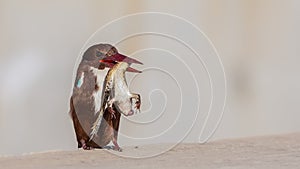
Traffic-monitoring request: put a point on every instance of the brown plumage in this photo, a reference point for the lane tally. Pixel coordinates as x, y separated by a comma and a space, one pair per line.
86, 97
108, 130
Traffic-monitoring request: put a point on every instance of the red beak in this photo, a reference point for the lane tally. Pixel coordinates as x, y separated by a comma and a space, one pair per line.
110, 61
121, 58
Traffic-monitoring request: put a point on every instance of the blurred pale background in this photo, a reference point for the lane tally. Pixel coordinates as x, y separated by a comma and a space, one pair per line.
258, 42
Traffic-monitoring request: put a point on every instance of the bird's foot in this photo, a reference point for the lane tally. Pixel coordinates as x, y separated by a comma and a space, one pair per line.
84, 146
116, 146
113, 148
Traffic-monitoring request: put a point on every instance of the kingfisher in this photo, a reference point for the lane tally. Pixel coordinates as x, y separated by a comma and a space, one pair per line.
85, 101
116, 92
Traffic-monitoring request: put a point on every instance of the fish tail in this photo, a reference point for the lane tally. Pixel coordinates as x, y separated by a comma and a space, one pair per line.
96, 125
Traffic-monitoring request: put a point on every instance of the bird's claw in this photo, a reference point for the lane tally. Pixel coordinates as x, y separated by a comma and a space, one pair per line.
113, 147
84, 146
87, 147
117, 148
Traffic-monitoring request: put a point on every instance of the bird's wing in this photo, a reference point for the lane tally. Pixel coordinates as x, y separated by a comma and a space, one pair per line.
82, 103
107, 86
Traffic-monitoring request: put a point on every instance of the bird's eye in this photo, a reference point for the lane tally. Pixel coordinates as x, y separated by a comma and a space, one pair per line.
98, 53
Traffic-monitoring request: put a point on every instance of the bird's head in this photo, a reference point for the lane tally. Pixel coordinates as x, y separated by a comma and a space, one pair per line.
106, 55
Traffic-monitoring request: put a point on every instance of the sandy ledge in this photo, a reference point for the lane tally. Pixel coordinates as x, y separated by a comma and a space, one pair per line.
274, 152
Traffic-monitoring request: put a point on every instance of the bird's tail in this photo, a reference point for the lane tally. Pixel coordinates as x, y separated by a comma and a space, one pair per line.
96, 125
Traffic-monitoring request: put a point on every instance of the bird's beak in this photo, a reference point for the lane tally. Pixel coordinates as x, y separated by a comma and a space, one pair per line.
121, 58
110, 61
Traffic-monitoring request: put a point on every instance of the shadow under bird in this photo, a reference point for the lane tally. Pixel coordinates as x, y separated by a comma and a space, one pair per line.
86, 99
116, 93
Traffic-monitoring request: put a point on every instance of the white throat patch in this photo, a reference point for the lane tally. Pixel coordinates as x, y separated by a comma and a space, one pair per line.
100, 76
